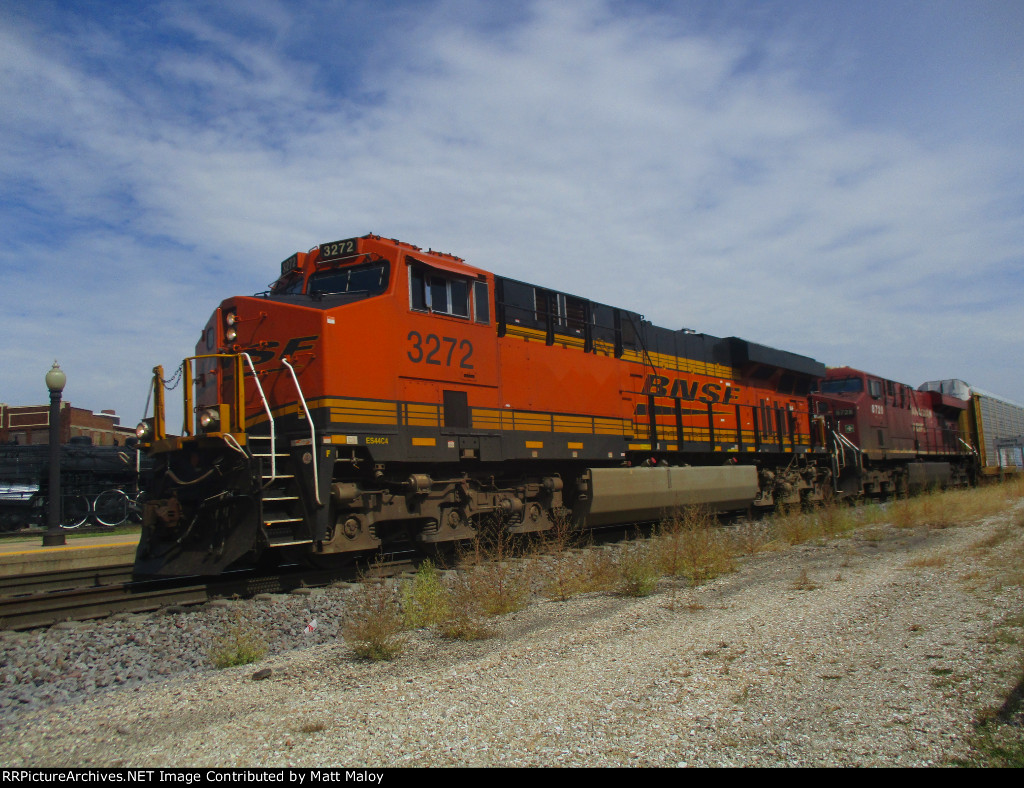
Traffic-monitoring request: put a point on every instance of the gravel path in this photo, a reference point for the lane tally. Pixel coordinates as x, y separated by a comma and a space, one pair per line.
879, 649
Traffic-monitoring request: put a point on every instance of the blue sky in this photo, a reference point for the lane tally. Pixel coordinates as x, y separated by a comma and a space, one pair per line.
838, 179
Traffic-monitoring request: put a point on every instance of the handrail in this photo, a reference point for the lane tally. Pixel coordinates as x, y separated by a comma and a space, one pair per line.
846, 442
270, 417
967, 446
159, 423
312, 431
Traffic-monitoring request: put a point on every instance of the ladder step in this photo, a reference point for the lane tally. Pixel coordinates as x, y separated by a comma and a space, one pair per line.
278, 454
289, 544
279, 476
276, 521
280, 498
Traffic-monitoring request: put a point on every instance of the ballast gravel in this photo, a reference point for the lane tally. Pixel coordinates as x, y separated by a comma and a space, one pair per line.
878, 649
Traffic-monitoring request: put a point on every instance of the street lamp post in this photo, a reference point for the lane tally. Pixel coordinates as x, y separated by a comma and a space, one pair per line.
55, 380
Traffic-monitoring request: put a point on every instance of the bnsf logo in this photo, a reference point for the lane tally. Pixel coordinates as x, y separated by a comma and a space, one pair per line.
680, 388
268, 350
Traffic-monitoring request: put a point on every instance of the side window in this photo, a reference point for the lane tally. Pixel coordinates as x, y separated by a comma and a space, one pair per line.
439, 301
432, 291
417, 289
875, 388
481, 303
458, 289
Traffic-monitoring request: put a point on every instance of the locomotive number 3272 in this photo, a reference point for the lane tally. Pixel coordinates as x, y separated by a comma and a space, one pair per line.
439, 351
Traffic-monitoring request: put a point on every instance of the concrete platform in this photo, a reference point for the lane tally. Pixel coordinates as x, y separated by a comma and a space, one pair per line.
28, 556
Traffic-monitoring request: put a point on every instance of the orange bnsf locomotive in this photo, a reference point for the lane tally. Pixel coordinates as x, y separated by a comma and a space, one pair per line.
382, 393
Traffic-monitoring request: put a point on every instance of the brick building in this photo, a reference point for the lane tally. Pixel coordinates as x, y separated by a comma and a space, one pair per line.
29, 425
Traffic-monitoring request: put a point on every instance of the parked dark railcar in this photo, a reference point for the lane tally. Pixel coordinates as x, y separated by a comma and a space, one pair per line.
99, 484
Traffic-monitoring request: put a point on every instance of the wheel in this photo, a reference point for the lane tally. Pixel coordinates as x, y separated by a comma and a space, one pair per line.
74, 511
136, 506
111, 508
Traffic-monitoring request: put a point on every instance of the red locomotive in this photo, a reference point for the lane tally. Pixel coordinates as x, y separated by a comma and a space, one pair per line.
379, 392
890, 439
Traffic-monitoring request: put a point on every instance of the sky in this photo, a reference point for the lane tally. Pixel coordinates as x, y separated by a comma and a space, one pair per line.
840, 179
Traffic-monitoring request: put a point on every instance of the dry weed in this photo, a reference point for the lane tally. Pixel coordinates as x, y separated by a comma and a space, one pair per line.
928, 561
638, 570
804, 583
689, 544
425, 599
240, 645
374, 624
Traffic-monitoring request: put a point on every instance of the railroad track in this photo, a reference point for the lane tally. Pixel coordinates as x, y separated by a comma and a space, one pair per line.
40, 608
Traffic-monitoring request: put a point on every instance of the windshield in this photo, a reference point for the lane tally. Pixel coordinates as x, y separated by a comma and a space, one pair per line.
365, 280
842, 386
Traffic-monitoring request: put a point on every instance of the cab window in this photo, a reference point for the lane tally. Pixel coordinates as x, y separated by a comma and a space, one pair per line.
481, 303
437, 292
357, 281
842, 386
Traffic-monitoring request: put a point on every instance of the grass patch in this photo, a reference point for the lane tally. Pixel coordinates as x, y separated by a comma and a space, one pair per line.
425, 600
466, 619
374, 624
565, 575
748, 538
689, 544
792, 526
240, 645
638, 570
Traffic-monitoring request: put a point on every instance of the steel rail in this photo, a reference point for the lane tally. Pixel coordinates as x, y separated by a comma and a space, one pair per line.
40, 609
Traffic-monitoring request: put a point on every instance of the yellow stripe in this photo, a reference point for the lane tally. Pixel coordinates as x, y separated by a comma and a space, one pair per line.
532, 421
535, 444
575, 445
424, 441
573, 424
356, 418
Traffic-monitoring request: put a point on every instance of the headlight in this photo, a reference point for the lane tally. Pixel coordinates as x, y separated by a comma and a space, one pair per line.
230, 335
208, 418
231, 318
143, 430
